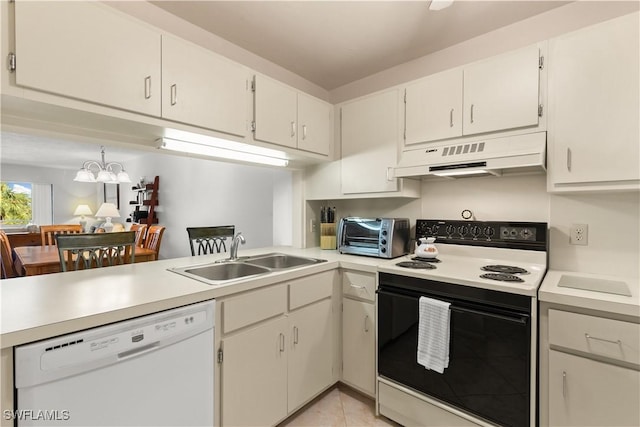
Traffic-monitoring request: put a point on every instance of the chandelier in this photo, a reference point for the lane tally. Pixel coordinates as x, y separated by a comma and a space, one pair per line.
110, 173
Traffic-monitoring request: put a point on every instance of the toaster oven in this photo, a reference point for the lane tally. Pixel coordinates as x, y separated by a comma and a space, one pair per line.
376, 237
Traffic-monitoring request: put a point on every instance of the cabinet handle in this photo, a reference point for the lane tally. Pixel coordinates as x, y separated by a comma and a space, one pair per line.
357, 286
471, 113
174, 94
147, 87
295, 335
569, 159
564, 384
281, 342
293, 129
451, 118
589, 337
366, 323
304, 132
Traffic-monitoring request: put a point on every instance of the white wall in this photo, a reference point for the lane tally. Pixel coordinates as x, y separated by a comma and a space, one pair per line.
614, 230
195, 192
67, 194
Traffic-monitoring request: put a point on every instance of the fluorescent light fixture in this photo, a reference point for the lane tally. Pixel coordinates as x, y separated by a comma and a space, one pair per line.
440, 4
223, 149
467, 172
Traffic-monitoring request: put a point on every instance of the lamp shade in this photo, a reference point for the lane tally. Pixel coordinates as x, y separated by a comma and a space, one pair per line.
83, 210
108, 210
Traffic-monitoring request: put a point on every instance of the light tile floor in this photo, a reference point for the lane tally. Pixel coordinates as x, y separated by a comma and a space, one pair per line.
338, 407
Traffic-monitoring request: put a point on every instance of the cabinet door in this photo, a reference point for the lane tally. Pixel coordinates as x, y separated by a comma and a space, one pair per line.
358, 345
311, 352
594, 122
254, 376
502, 92
275, 112
314, 124
584, 392
433, 108
202, 88
88, 51
370, 143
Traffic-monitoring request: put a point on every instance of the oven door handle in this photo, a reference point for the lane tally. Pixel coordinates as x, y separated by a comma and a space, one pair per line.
516, 318
520, 318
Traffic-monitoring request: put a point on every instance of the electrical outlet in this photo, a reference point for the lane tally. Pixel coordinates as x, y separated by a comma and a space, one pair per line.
579, 234
313, 225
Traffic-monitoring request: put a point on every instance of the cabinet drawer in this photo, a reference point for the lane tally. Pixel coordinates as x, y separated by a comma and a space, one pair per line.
310, 289
603, 337
244, 310
359, 284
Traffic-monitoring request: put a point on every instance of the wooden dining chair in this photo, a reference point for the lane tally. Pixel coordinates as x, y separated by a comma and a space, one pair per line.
209, 240
8, 269
95, 250
48, 232
154, 238
141, 231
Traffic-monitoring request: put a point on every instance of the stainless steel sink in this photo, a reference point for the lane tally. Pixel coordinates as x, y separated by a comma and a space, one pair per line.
221, 272
278, 261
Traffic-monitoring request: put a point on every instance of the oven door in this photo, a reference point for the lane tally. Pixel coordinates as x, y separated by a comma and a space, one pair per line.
489, 356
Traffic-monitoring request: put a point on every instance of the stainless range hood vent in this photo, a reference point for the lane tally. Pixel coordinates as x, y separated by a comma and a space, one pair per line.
518, 153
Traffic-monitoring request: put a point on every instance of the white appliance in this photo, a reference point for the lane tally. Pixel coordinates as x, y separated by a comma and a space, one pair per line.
484, 156
155, 370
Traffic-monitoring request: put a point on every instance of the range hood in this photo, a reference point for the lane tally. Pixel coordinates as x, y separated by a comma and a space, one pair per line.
491, 156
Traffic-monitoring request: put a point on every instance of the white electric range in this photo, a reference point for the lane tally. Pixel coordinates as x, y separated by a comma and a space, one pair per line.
489, 273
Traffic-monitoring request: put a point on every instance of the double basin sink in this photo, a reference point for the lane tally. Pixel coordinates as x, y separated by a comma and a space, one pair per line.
218, 273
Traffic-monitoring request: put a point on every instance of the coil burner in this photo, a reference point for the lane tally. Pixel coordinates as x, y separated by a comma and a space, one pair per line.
502, 277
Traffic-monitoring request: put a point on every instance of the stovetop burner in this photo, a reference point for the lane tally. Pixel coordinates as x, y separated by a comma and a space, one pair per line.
502, 277
421, 259
416, 265
506, 269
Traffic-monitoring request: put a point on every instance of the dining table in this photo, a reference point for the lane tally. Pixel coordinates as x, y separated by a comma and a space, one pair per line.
35, 260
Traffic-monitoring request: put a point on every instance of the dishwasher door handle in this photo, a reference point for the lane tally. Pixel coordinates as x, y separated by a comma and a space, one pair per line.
138, 351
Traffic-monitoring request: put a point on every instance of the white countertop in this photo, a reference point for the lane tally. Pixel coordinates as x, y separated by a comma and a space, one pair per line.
39, 307
602, 301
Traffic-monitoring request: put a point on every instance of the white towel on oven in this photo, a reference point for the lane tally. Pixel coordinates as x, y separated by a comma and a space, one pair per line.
433, 334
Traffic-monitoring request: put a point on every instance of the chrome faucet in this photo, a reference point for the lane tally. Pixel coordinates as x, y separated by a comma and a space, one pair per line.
233, 251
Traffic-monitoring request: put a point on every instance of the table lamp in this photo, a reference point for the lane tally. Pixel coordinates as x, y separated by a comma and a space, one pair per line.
83, 210
108, 211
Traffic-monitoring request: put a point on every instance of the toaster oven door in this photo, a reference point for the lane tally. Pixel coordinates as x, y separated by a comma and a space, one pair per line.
361, 236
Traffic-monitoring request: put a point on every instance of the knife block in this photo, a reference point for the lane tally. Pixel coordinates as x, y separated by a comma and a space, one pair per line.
328, 235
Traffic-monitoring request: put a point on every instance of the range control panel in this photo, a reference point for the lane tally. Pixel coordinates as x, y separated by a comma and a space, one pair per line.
508, 234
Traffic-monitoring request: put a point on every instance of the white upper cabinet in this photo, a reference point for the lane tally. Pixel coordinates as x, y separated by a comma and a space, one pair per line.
369, 143
500, 93
314, 124
88, 51
276, 112
290, 118
594, 109
434, 108
202, 88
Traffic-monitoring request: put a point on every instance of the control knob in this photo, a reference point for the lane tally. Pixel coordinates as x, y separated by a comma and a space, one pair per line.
450, 229
463, 230
475, 231
489, 231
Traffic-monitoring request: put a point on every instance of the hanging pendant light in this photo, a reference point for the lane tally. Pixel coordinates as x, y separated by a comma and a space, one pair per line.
102, 171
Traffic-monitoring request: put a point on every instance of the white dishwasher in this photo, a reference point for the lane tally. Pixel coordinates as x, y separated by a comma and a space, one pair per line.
155, 370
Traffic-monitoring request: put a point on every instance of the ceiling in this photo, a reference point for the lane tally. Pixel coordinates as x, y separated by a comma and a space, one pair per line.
333, 43
330, 43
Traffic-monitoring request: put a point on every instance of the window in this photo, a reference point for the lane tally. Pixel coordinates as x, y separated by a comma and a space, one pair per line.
22, 203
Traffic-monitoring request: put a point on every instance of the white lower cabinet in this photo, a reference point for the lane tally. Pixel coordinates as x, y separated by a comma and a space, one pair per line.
359, 331
254, 375
277, 350
585, 392
310, 352
358, 345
